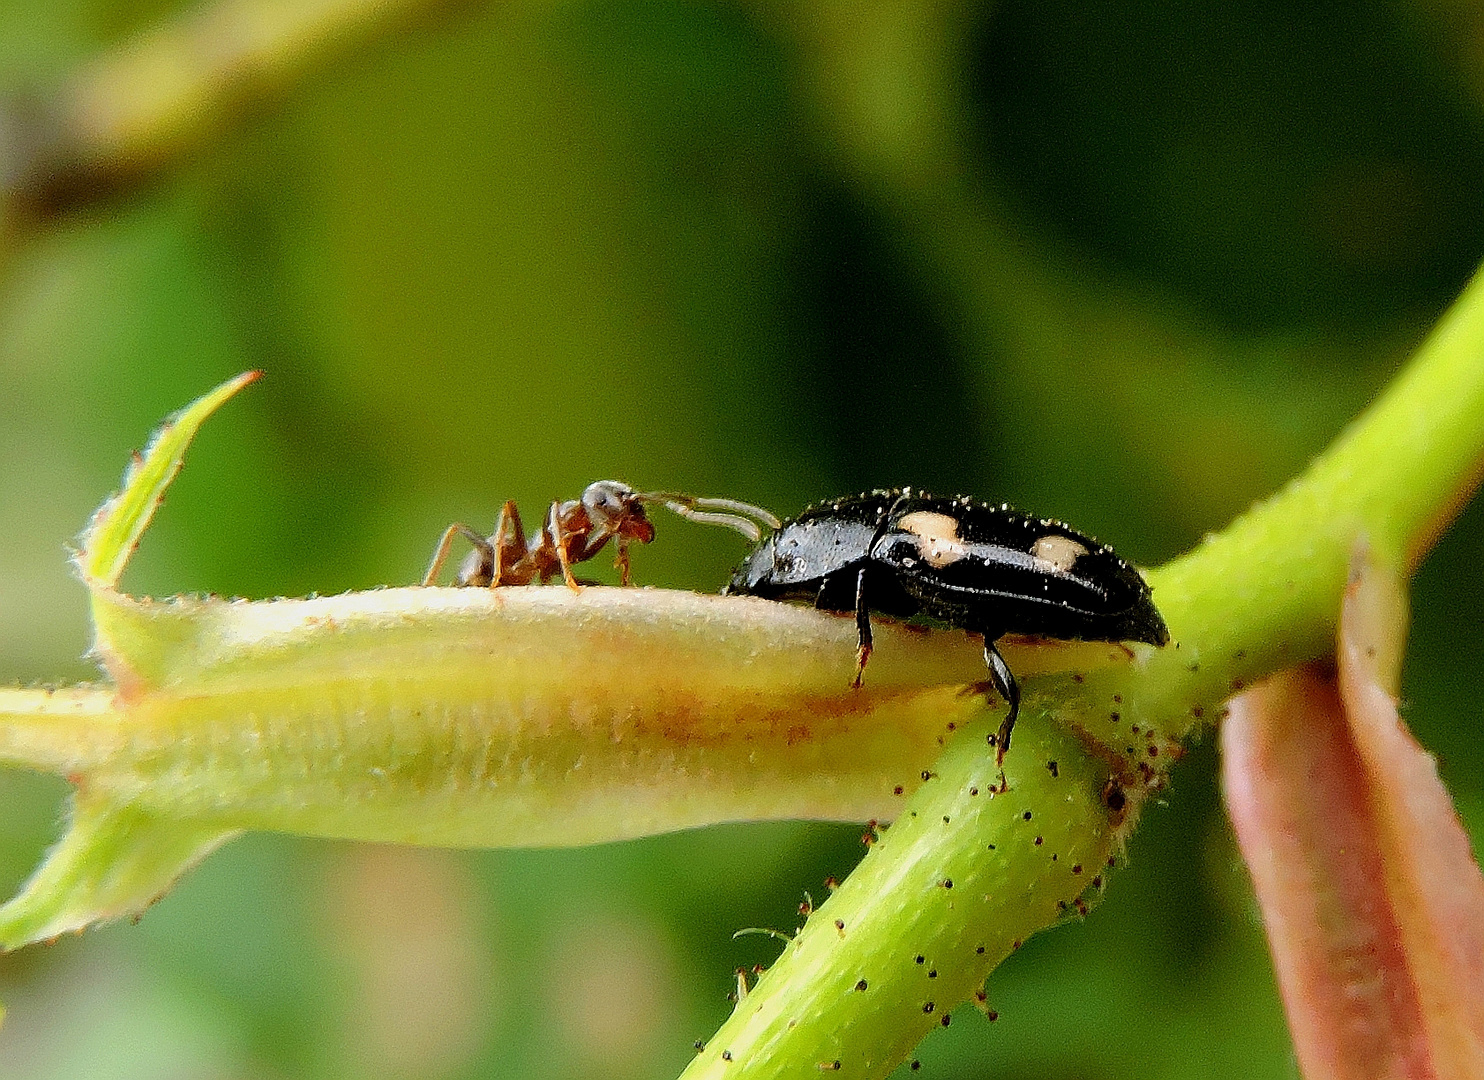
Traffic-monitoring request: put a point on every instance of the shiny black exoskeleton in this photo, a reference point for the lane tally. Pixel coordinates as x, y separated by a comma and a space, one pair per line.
987, 569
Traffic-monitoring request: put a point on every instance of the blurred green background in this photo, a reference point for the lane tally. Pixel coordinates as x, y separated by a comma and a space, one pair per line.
1127, 263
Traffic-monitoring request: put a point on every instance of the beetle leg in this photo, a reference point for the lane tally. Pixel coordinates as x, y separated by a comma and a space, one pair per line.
862, 628
1006, 686
458, 528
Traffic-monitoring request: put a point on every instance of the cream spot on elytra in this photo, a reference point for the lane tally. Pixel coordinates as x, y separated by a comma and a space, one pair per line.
1060, 551
937, 537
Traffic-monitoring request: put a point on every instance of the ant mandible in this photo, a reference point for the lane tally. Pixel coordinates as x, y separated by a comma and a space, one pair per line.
577, 530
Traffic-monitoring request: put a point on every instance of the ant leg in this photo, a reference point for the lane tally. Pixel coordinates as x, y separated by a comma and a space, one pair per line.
554, 530
862, 629
621, 561
1006, 686
458, 528
509, 544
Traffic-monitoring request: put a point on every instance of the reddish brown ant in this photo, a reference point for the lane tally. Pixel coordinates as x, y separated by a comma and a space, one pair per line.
577, 530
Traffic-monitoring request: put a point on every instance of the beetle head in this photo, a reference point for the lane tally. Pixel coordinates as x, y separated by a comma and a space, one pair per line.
755, 576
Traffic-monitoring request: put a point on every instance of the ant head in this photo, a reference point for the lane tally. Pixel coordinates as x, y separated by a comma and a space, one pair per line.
615, 509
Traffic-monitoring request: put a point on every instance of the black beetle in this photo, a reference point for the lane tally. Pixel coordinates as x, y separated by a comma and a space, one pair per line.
988, 569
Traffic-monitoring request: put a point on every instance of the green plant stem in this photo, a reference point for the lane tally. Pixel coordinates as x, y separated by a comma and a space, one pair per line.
961, 878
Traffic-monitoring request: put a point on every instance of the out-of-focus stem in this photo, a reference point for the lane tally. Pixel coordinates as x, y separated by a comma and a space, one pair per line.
160, 95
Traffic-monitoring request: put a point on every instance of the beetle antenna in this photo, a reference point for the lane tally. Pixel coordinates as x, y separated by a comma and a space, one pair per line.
742, 508
766, 931
732, 513
747, 528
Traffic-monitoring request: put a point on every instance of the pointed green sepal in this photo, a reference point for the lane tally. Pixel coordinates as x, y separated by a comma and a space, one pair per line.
114, 861
113, 534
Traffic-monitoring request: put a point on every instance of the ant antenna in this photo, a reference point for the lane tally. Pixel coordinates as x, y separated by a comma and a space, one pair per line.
703, 510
